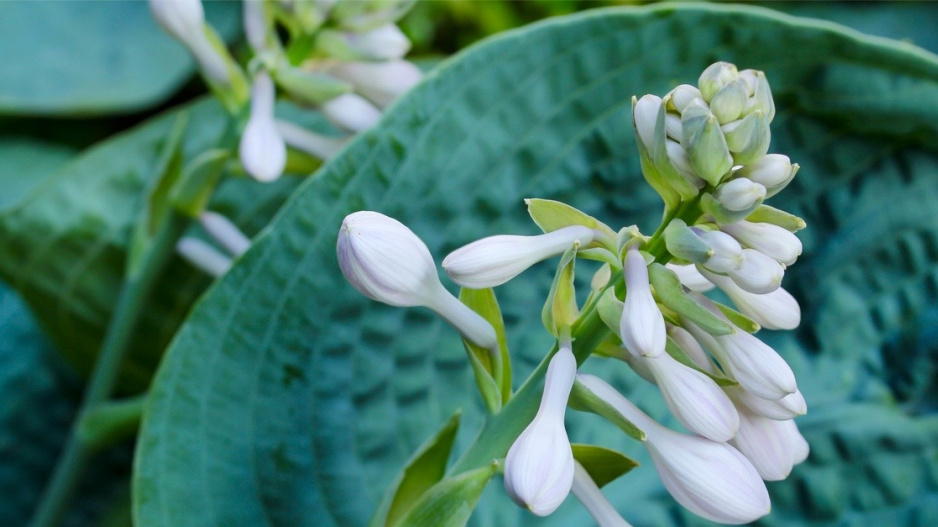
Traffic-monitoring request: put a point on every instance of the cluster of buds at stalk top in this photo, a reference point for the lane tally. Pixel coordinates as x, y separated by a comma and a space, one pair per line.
704, 148
344, 58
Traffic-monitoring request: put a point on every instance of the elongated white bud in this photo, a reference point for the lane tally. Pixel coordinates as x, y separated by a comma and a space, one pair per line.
771, 240
694, 399
255, 24
642, 324
710, 479
184, 20
263, 152
783, 409
758, 273
692, 348
203, 256
380, 82
766, 443
739, 194
226, 233
387, 262
539, 466
585, 489
799, 445
690, 277
645, 117
727, 252
775, 310
351, 112
774, 172
310, 142
682, 95
492, 261
715, 77
756, 366
386, 42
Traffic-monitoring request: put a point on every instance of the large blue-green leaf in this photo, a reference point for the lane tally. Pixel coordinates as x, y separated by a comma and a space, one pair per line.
92, 58
64, 244
38, 400
289, 399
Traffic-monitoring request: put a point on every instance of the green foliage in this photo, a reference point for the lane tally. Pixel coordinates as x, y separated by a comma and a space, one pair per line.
602, 464
91, 58
287, 399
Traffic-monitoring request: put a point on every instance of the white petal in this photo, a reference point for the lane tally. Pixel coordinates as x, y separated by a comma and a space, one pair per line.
645, 117
758, 274
766, 444
690, 277
739, 194
183, 19
727, 253
380, 82
312, 143
775, 310
585, 489
203, 256
692, 348
492, 261
642, 325
783, 409
226, 233
771, 240
386, 42
263, 152
351, 112
799, 445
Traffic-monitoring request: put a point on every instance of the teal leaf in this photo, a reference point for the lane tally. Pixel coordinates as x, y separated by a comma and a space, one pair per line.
93, 58
450, 502
328, 394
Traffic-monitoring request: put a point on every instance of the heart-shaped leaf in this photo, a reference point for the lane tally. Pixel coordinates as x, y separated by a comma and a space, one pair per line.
288, 399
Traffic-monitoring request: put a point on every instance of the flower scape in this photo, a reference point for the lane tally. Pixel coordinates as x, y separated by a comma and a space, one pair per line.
704, 149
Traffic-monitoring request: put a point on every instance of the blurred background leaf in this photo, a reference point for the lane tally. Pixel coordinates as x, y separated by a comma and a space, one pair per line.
288, 399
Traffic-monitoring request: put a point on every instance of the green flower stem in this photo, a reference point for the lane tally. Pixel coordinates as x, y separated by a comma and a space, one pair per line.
110, 422
134, 293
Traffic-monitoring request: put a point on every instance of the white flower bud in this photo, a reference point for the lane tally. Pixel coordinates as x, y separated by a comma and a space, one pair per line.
694, 399
692, 348
681, 162
758, 273
539, 466
728, 103
672, 127
386, 42
766, 443
203, 256
255, 24
756, 366
783, 409
312, 143
739, 194
184, 20
775, 310
642, 324
492, 261
682, 95
263, 152
727, 253
690, 277
387, 262
380, 82
773, 171
585, 489
351, 112
226, 233
710, 479
715, 77
761, 99
771, 240
645, 117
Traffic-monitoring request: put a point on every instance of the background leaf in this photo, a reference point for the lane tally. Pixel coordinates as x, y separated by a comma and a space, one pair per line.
288, 399
93, 58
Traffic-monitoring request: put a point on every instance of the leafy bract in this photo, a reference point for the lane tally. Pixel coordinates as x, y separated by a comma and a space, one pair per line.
289, 399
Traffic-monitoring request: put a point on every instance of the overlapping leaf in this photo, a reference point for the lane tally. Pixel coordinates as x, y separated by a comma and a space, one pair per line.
288, 399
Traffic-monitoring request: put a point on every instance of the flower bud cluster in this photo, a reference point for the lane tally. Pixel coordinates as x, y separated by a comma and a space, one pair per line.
735, 395
354, 69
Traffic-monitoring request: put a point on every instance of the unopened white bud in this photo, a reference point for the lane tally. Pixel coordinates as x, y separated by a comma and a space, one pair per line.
387, 262
539, 466
692, 348
727, 253
694, 399
203, 256
690, 277
310, 142
788, 407
226, 233
380, 82
773, 171
386, 42
585, 489
766, 443
184, 20
775, 310
710, 479
255, 24
672, 127
758, 274
756, 366
642, 325
263, 152
728, 103
682, 95
645, 117
739, 194
351, 112
681, 162
492, 261
799, 445
715, 77
771, 240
